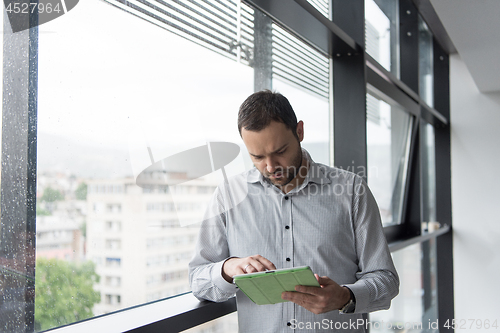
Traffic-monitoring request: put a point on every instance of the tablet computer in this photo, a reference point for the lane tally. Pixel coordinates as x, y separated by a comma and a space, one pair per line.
266, 287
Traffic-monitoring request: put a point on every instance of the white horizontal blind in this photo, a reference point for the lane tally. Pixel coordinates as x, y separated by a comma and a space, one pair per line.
322, 6
224, 26
372, 109
298, 63
227, 27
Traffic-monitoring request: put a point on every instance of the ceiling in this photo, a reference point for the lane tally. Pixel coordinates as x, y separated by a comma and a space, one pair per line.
474, 29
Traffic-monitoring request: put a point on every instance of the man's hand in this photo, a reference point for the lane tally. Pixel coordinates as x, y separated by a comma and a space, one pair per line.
330, 296
236, 266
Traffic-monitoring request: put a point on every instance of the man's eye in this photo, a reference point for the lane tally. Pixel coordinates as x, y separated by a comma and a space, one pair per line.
281, 152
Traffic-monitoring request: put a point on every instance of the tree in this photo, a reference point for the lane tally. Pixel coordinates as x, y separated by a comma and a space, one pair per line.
51, 195
83, 229
81, 192
42, 212
64, 292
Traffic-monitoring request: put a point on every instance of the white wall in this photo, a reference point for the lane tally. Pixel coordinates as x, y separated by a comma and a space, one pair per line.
475, 162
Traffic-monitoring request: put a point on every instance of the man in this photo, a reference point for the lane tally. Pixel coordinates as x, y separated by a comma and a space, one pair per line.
297, 213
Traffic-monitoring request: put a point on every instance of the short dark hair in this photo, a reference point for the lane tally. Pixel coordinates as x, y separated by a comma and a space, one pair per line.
260, 108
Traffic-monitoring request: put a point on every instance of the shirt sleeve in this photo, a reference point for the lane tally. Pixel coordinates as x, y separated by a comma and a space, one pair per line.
377, 280
211, 251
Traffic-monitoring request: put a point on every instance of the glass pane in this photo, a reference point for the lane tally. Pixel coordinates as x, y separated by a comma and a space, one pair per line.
428, 176
388, 139
382, 33
425, 63
313, 110
415, 308
302, 75
116, 96
137, 95
17, 237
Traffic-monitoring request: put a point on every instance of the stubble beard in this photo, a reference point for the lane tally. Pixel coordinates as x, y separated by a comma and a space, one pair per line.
291, 171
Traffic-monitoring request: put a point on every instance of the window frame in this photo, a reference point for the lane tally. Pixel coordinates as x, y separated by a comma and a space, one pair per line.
342, 38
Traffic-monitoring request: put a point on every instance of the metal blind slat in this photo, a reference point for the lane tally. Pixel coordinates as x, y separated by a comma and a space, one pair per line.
286, 77
298, 63
321, 5
302, 69
287, 54
223, 16
287, 38
280, 45
300, 75
199, 19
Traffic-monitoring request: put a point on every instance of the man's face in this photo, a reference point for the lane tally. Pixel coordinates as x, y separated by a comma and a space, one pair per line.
275, 151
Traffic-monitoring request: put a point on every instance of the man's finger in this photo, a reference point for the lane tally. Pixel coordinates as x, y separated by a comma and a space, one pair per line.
265, 262
305, 300
249, 268
324, 280
316, 291
257, 265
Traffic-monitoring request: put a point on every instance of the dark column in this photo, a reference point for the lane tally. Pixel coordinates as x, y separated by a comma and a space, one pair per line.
443, 188
263, 53
408, 40
349, 88
18, 187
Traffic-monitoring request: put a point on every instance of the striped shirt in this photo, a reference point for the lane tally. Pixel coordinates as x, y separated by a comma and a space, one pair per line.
330, 222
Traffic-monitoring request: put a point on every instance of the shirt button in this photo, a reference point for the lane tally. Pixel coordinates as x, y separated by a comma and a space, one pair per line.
287, 259
289, 324
286, 198
287, 227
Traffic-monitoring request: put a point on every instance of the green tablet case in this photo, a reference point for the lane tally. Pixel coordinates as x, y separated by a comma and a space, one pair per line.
266, 287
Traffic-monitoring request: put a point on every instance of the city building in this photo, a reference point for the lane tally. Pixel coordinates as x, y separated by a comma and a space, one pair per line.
136, 240
61, 218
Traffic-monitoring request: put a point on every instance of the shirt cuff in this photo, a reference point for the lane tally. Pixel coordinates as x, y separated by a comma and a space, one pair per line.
219, 280
362, 295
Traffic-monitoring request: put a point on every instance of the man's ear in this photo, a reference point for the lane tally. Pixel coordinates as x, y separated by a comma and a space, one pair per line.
300, 130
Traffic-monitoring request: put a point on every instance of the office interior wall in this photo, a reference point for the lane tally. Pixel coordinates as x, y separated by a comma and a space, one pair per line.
475, 160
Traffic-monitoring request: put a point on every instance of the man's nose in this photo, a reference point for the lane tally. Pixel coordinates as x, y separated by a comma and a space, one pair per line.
271, 165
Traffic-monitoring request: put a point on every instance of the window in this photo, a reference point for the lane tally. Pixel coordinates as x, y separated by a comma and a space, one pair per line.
415, 308
113, 281
302, 74
113, 244
113, 226
388, 146
428, 176
382, 33
426, 61
112, 299
113, 262
113, 208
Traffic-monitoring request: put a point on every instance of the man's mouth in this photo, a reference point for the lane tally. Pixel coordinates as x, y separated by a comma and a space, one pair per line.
276, 175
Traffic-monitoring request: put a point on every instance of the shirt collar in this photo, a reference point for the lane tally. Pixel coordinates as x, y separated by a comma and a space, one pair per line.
315, 174
254, 176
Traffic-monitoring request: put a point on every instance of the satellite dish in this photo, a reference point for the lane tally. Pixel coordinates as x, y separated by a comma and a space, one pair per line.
189, 164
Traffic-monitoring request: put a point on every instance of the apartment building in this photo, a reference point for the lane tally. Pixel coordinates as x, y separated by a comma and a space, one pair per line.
134, 236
